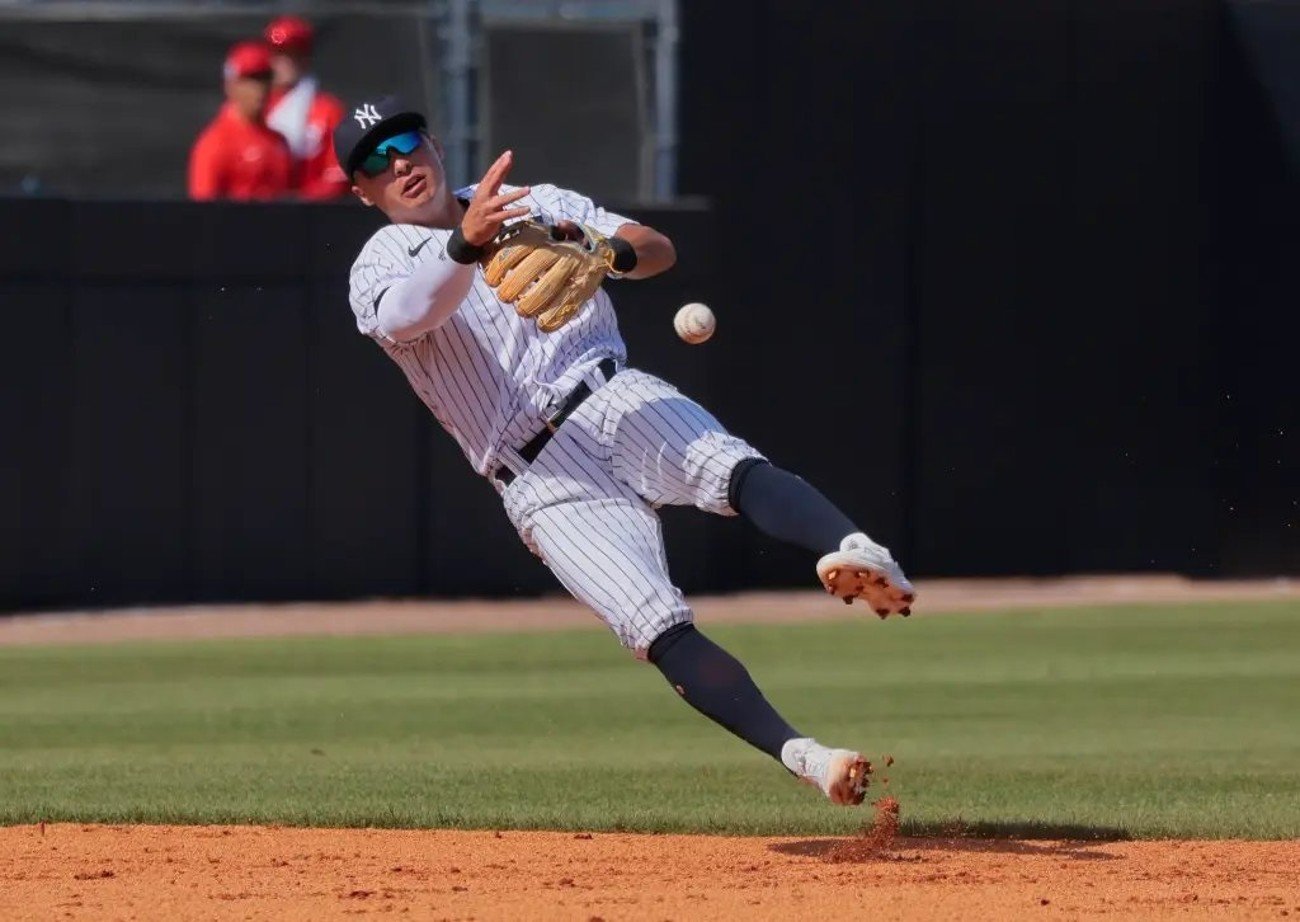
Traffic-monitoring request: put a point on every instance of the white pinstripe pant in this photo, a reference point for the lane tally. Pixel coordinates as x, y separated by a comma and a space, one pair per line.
586, 505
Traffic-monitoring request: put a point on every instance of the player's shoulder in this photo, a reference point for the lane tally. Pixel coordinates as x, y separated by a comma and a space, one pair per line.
549, 194
538, 191
546, 201
465, 193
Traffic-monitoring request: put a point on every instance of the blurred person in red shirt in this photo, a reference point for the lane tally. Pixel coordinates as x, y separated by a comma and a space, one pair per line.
301, 111
237, 156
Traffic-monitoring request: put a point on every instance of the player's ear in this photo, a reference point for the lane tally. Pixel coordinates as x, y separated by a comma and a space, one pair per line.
365, 199
438, 148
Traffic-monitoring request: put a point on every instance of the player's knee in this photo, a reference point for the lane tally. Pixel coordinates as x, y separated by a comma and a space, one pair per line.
648, 642
738, 475
665, 641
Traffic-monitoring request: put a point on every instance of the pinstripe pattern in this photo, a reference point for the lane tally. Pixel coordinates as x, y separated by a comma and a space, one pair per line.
586, 505
487, 375
668, 448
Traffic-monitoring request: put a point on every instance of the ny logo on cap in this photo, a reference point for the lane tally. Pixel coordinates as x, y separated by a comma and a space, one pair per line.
367, 115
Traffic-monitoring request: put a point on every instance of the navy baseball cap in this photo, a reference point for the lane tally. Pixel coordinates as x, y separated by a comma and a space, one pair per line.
372, 120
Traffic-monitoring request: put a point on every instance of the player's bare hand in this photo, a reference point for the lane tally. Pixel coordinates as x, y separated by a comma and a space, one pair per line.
490, 208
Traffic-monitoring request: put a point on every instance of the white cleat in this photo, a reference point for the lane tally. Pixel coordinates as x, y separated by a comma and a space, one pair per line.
863, 569
840, 774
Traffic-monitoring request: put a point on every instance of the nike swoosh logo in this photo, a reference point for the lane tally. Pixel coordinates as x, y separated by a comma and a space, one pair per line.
412, 251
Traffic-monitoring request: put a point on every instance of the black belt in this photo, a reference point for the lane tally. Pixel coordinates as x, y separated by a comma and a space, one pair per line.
534, 447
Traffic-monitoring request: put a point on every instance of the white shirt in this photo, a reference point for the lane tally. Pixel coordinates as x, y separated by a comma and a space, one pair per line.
489, 376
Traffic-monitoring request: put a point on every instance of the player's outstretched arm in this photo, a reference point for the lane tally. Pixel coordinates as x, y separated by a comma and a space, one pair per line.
424, 300
654, 251
640, 250
427, 298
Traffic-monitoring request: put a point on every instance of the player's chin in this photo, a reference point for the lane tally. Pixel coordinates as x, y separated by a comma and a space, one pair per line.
406, 212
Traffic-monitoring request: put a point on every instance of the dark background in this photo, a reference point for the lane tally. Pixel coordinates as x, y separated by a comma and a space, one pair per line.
1015, 283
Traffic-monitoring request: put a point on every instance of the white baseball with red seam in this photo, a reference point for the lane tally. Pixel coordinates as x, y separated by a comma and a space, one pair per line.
694, 322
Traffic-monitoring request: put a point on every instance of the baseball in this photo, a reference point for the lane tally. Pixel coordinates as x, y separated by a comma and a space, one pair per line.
694, 322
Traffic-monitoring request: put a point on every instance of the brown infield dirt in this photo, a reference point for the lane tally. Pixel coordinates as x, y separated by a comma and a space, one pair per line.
74, 871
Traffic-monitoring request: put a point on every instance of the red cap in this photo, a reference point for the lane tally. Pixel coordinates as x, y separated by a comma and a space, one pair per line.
248, 59
290, 34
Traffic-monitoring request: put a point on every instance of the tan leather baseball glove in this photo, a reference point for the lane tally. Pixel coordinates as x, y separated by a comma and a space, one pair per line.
547, 271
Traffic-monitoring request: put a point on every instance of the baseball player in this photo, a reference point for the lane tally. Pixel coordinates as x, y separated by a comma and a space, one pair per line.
237, 156
581, 447
301, 111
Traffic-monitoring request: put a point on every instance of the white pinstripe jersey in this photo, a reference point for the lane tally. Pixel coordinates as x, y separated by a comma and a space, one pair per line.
489, 376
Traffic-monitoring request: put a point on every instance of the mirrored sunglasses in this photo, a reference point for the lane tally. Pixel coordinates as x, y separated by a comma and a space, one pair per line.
377, 160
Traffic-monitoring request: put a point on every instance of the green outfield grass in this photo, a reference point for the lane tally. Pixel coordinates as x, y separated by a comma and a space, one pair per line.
1138, 721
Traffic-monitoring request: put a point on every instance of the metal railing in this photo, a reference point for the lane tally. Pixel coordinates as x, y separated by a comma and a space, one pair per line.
457, 30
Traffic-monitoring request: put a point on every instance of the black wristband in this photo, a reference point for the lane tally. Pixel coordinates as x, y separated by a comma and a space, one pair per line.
461, 250
624, 255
